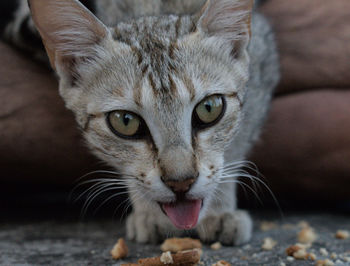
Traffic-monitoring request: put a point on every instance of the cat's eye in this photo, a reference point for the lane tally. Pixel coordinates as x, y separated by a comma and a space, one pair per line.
209, 111
125, 124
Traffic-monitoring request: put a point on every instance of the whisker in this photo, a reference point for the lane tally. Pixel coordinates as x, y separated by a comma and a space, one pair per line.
99, 189
97, 193
246, 185
109, 198
97, 172
251, 177
243, 173
99, 183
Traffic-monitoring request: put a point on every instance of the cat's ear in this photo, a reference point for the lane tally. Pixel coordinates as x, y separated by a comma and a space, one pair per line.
227, 19
70, 32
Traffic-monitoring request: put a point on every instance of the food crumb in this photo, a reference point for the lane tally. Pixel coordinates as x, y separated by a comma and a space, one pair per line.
268, 244
323, 251
333, 255
282, 264
216, 246
188, 257
307, 235
300, 254
267, 226
179, 244
342, 234
290, 259
292, 249
325, 262
312, 256
120, 250
166, 258
222, 263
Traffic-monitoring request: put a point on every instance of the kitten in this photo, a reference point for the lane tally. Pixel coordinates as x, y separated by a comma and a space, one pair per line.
170, 95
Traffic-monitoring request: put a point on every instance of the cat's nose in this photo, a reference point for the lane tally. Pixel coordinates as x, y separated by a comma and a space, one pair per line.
179, 186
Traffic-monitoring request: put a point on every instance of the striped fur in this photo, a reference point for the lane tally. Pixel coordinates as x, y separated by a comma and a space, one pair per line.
159, 59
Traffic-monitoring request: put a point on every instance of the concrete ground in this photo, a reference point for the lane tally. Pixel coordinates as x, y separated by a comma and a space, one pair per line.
39, 226
70, 242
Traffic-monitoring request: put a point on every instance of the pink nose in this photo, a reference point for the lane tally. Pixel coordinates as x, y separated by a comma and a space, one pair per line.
180, 186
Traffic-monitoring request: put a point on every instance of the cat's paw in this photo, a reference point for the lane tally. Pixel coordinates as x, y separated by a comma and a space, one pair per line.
229, 228
142, 228
149, 227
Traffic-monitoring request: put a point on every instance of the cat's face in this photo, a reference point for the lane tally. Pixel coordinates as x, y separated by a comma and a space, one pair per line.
159, 99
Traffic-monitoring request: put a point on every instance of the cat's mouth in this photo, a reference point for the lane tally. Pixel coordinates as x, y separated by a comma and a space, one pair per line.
183, 213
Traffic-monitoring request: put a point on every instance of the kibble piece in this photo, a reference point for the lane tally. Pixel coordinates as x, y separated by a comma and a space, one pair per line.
290, 259
189, 257
325, 262
166, 258
179, 244
120, 250
216, 246
292, 249
300, 254
334, 255
342, 234
269, 244
304, 246
199, 251
307, 235
222, 263
311, 256
323, 251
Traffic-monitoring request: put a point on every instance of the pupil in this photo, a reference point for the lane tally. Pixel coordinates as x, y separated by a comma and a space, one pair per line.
126, 120
208, 107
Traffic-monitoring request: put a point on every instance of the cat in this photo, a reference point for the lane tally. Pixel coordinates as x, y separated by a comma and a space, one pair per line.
172, 93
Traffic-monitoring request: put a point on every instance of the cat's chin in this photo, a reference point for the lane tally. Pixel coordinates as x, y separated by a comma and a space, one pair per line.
183, 213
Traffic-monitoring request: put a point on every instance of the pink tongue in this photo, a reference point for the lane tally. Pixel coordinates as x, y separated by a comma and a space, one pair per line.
183, 214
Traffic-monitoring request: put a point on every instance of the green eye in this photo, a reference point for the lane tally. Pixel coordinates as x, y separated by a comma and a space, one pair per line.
123, 123
210, 110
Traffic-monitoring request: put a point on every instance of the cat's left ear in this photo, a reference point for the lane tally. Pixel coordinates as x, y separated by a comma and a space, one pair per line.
229, 20
70, 32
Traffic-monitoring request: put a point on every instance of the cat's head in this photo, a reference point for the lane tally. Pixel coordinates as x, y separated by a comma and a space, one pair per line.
158, 98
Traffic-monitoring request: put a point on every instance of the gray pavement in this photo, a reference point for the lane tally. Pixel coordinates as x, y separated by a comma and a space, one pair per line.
89, 243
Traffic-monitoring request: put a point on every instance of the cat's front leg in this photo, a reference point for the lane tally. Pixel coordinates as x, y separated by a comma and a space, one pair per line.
147, 224
223, 222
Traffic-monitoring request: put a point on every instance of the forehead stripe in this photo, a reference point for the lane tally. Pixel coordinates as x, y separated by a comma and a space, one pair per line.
177, 27
172, 85
189, 86
151, 82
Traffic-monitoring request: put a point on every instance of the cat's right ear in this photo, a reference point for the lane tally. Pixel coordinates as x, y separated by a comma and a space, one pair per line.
228, 20
70, 32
